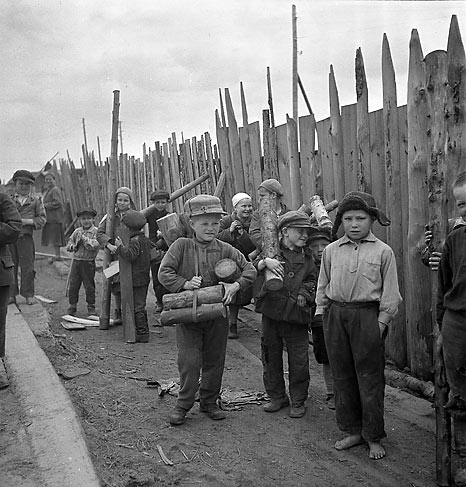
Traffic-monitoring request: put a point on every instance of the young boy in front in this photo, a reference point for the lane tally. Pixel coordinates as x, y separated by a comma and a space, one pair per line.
358, 295
189, 265
138, 253
286, 315
451, 316
85, 247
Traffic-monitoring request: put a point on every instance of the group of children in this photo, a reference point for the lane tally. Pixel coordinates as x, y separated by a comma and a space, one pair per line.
341, 286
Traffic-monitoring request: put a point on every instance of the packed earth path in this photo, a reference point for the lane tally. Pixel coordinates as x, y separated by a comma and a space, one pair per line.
124, 413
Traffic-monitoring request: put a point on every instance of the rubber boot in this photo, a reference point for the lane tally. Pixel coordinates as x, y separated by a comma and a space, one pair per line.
233, 333
118, 320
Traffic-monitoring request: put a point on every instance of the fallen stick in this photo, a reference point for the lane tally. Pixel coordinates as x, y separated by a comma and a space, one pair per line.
83, 321
43, 254
164, 458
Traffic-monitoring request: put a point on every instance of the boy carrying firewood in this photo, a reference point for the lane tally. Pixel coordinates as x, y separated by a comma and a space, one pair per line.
189, 265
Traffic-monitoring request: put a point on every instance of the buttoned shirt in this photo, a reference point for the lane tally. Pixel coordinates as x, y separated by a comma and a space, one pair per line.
363, 271
31, 207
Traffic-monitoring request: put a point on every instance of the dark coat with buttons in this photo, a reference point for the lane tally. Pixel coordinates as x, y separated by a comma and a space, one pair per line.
10, 228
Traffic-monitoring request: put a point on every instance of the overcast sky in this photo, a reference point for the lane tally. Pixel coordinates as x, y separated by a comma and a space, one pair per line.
62, 59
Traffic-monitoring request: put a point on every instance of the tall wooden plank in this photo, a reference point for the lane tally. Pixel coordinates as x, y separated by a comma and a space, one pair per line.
225, 159
296, 199
336, 139
202, 162
362, 132
188, 161
456, 146
326, 159
235, 149
350, 152
175, 171
284, 163
307, 140
246, 157
195, 163
418, 322
256, 154
396, 339
378, 166
212, 181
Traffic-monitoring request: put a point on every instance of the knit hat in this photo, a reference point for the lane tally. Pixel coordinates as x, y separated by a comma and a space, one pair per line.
134, 220
358, 200
238, 197
316, 233
87, 211
204, 204
160, 194
24, 174
128, 192
295, 218
273, 186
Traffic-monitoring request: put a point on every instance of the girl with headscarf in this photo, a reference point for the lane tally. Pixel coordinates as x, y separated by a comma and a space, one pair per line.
234, 229
124, 201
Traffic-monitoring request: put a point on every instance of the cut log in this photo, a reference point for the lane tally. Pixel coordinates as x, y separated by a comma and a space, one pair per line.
227, 270
270, 242
170, 227
205, 295
204, 312
319, 212
333, 205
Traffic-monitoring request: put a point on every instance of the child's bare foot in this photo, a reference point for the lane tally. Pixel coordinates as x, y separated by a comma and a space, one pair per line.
348, 442
376, 450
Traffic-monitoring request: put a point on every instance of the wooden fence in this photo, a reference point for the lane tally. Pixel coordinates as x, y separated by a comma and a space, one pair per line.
385, 152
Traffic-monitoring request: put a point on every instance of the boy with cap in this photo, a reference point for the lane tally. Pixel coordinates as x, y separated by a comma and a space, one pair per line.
319, 238
158, 209
234, 229
138, 253
286, 315
270, 188
189, 265
358, 296
33, 217
85, 247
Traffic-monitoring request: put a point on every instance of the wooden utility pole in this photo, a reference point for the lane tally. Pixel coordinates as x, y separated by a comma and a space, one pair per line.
295, 63
110, 222
270, 98
85, 139
436, 74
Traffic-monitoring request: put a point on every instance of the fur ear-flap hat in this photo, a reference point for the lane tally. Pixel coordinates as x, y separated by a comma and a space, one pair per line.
358, 200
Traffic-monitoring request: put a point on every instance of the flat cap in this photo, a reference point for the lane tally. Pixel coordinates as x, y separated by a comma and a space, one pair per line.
86, 210
297, 219
134, 220
204, 204
160, 194
24, 174
273, 186
316, 233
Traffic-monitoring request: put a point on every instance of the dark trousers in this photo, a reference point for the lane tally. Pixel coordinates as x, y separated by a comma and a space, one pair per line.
296, 338
23, 252
201, 349
454, 352
356, 353
159, 290
4, 295
140, 313
82, 272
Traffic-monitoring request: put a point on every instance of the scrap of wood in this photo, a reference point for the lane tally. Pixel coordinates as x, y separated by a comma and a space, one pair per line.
44, 300
72, 326
164, 458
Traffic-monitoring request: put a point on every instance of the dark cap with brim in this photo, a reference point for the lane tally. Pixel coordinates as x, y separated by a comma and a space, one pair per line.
204, 204
296, 219
87, 211
160, 195
318, 233
24, 174
134, 220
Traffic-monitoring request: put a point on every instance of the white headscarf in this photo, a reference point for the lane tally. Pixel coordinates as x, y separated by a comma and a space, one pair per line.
238, 197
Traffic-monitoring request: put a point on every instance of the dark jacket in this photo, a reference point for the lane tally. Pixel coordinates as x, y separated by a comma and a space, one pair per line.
152, 215
138, 253
10, 228
33, 209
241, 242
300, 278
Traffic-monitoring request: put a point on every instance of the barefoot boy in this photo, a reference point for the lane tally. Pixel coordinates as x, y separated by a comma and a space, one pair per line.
189, 265
358, 295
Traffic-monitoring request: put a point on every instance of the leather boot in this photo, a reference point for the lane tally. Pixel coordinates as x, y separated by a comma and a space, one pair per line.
233, 333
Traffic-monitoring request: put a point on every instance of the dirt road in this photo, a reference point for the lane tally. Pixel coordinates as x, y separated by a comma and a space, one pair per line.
125, 420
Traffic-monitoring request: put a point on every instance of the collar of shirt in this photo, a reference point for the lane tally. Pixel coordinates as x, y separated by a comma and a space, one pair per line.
23, 199
370, 237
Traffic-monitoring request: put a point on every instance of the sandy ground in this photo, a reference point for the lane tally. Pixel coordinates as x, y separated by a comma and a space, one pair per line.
125, 420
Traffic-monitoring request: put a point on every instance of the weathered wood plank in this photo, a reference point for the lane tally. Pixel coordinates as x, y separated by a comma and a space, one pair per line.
336, 139
323, 138
296, 197
283, 162
350, 152
307, 138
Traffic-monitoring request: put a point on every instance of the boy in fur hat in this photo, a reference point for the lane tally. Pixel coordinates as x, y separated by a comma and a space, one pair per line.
138, 253
286, 315
358, 296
